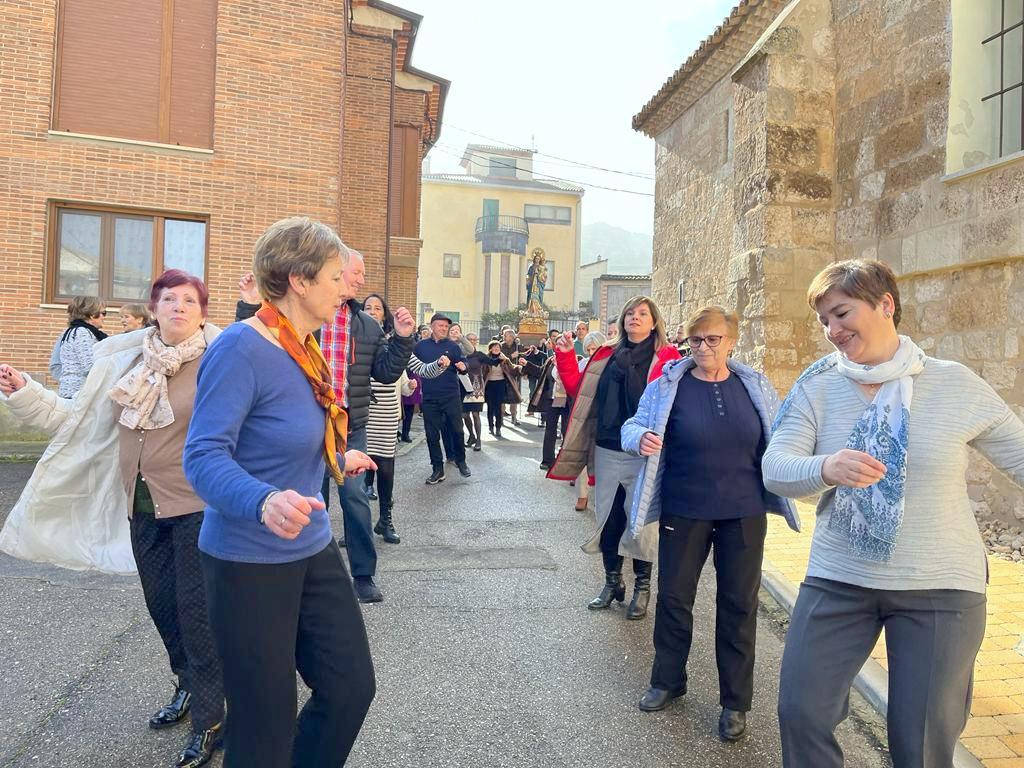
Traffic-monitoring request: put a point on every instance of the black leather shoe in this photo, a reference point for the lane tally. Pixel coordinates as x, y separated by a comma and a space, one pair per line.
641, 594
200, 748
732, 725
173, 712
370, 493
656, 699
436, 477
476, 445
464, 469
366, 590
405, 439
386, 527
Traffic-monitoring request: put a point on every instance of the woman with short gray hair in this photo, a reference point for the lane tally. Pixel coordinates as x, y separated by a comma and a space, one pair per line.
74, 350
881, 431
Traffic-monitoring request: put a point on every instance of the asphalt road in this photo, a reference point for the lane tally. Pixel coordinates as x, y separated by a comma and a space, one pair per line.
484, 652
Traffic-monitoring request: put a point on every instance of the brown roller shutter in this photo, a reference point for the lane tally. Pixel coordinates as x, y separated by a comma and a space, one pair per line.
108, 76
405, 181
193, 71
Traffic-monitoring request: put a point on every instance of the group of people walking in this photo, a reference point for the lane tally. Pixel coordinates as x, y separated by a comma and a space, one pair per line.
205, 460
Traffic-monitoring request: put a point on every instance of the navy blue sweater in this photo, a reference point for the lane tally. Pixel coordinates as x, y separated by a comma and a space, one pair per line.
445, 386
712, 452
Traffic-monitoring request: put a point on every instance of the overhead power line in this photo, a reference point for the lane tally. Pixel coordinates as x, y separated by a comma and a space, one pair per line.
637, 174
545, 176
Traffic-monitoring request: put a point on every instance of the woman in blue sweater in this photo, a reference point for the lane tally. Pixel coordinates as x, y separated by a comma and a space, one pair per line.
279, 596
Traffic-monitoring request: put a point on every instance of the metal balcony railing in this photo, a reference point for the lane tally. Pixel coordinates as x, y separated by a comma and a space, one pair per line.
502, 234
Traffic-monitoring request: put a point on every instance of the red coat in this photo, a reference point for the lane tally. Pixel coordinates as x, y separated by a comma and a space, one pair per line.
578, 446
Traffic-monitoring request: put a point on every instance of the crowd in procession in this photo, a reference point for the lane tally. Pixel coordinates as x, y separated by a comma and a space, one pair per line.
204, 459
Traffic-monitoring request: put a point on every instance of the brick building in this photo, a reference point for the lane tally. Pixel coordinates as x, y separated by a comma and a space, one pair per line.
139, 136
805, 132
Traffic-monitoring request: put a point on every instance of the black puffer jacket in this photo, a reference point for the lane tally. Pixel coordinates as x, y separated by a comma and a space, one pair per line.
376, 356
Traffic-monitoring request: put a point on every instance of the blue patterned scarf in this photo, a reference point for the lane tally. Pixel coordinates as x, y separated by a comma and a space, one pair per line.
872, 517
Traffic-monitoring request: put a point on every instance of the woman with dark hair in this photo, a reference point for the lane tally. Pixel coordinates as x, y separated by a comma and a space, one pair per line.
265, 426
74, 351
382, 429
605, 394
118, 458
500, 386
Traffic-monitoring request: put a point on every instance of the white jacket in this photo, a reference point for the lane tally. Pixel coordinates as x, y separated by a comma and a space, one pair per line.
73, 511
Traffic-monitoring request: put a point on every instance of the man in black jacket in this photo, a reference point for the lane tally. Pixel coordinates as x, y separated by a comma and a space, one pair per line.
356, 349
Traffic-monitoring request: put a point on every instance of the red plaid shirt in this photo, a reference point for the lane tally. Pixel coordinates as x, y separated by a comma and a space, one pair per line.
335, 346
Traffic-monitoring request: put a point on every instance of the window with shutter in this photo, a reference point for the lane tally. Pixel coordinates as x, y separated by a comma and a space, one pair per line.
137, 69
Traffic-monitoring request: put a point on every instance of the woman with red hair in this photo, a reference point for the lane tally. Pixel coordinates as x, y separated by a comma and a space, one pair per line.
112, 475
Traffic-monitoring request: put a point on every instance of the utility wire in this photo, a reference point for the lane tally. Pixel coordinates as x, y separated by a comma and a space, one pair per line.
637, 174
546, 177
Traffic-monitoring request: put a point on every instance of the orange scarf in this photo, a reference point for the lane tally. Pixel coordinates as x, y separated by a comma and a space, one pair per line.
311, 360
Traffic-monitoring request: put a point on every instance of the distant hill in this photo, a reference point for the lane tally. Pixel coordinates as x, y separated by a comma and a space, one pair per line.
628, 253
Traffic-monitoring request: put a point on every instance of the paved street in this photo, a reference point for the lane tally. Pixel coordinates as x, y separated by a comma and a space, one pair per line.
485, 654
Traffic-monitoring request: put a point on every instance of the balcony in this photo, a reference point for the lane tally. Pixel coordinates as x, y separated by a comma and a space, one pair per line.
502, 234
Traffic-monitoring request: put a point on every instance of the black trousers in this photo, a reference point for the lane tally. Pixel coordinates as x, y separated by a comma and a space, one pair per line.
271, 620
385, 477
438, 415
408, 411
682, 551
494, 396
552, 416
167, 555
611, 534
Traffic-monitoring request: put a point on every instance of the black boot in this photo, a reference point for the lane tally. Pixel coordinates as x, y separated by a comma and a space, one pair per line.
385, 525
614, 589
641, 590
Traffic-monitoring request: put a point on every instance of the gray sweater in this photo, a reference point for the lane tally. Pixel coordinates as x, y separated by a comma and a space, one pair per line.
939, 546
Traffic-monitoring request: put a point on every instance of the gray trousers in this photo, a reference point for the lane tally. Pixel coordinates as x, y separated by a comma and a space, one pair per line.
932, 638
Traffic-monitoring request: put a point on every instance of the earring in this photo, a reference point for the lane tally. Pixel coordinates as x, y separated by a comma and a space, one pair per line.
888, 314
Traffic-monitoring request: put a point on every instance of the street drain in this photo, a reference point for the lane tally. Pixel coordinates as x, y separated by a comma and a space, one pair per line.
449, 558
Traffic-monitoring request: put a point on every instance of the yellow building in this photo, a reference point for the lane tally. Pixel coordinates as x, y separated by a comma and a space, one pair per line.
480, 228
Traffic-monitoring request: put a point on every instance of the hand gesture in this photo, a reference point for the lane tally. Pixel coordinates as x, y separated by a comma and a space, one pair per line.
503, 358
247, 288
11, 380
287, 513
404, 322
564, 343
443, 361
853, 469
650, 444
413, 384
357, 462
461, 366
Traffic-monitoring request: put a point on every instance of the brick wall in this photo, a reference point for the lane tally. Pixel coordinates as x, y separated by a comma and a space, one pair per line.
281, 90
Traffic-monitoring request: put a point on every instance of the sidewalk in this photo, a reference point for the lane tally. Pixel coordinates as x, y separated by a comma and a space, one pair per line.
994, 737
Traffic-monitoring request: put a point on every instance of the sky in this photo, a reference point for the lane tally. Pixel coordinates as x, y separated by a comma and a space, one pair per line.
564, 77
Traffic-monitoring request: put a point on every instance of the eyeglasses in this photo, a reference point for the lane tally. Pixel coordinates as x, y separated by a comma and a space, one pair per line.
711, 341
101, 314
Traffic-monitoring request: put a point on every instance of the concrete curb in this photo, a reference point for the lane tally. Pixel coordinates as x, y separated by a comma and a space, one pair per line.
872, 682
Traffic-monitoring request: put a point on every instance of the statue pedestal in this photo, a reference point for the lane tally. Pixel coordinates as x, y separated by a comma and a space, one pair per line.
532, 329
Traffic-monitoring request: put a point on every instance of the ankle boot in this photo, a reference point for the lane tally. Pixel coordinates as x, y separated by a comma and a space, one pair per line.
641, 593
385, 526
614, 589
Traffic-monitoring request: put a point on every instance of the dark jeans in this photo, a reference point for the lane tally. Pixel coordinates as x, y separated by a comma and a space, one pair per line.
167, 555
683, 549
271, 620
611, 534
932, 637
494, 396
355, 513
552, 416
385, 477
437, 415
408, 411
